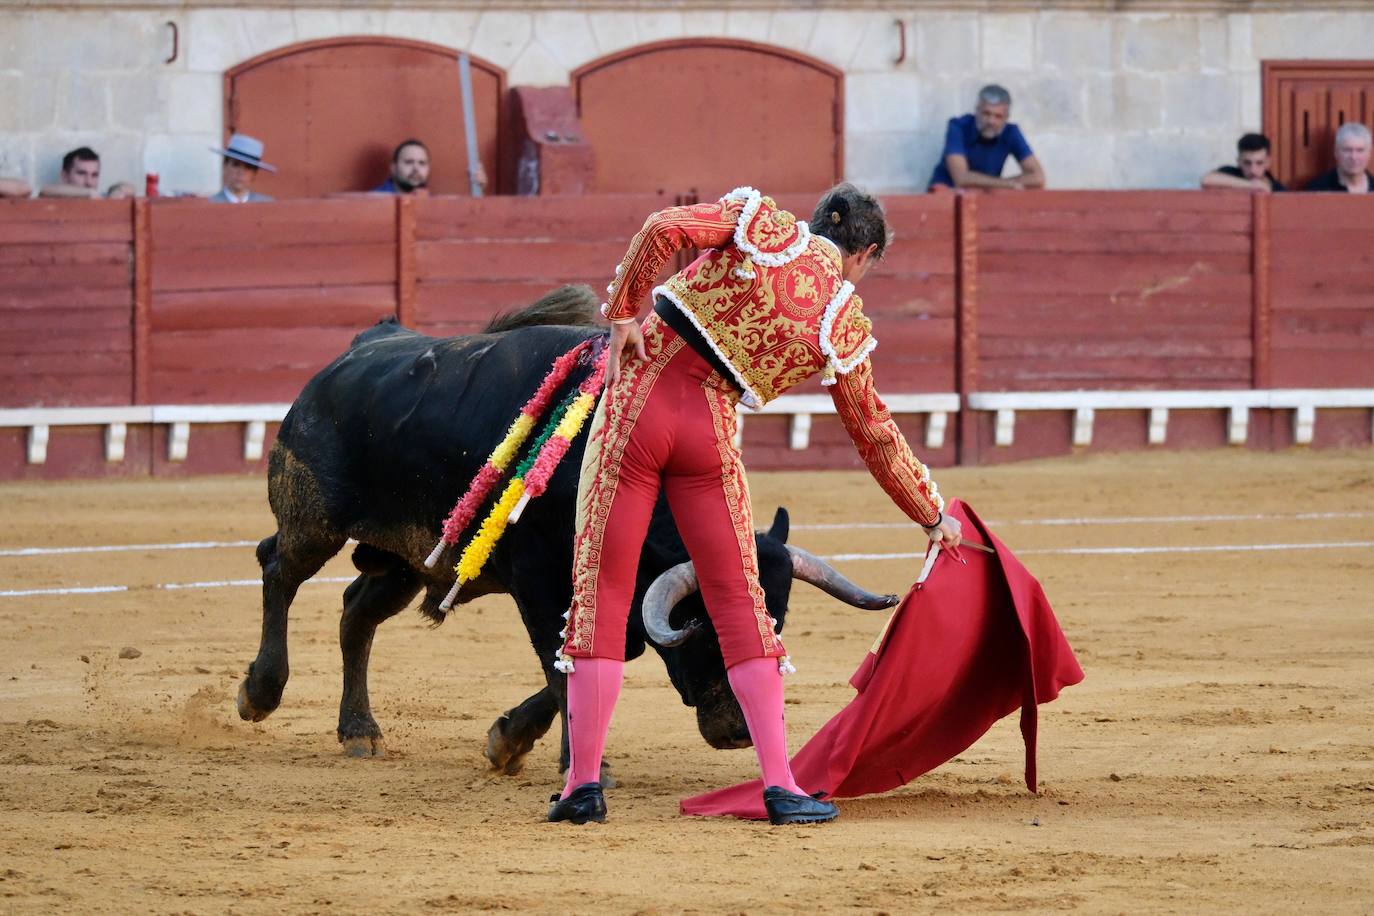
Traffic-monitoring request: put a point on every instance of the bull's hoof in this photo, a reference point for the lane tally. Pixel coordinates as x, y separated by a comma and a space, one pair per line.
247, 711
503, 752
364, 746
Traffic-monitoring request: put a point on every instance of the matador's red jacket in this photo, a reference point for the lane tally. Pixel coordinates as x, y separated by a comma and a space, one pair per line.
770, 299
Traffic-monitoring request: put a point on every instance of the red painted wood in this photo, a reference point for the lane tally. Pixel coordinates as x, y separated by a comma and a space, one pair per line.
605, 216
75, 257
280, 265
75, 452
1321, 291
63, 221
1112, 374
405, 261
305, 349
332, 111
1261, 306
969, 267
365, 219
52, 383
110, 275
141, 325
1304, 102
710, 114
474, 304
290, 307
214, 448
77, 300
1119, 218
553, 261
1098, 242
111, 321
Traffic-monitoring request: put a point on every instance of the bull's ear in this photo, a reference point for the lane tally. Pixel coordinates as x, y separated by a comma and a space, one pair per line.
780, 525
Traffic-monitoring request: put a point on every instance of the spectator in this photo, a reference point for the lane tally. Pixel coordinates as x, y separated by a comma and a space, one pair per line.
121, 190
80, 175
14, 187
1351, 173
1251, 171
977, 146
242, 162
409, 170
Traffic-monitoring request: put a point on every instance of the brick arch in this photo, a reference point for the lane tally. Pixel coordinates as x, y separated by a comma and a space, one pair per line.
331, 111
711, 114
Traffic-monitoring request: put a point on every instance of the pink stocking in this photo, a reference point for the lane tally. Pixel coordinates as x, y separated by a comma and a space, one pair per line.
758, 687
593, 688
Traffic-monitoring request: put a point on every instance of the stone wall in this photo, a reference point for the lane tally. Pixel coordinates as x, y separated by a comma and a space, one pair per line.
1107, 99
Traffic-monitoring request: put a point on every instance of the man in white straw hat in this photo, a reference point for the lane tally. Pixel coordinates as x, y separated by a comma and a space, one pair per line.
242, 161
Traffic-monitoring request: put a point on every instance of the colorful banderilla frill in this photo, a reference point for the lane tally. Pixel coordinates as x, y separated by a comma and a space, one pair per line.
531, 478
501, 456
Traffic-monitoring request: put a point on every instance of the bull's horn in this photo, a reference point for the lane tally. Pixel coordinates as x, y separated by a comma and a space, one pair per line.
810, 568
671, 586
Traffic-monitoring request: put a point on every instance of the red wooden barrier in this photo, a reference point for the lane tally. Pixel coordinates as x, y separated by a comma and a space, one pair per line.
475, 258
1322, 284
248, 302
66, 271
116, 302
1114, 291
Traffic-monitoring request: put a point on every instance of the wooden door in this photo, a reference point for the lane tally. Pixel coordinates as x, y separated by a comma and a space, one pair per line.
331, 112
710, 115
1304, 103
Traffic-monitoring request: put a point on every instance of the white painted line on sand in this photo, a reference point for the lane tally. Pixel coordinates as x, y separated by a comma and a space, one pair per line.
88, 590
120, 548
163, 586
1105, 520
801, 526
1122, 551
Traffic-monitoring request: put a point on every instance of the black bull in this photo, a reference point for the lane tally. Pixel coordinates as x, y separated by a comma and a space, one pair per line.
379, 445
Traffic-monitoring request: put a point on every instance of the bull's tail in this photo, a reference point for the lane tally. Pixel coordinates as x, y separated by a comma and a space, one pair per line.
573, 304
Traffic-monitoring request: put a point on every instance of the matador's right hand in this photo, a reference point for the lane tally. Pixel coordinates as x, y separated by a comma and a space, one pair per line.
626, 339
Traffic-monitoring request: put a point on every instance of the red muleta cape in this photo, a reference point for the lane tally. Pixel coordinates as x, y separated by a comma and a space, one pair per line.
972, 643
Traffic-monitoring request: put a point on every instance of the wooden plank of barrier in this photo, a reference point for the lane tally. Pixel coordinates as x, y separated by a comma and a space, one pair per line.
354, 220
552, 261
613, 217
1261, 307
405, 261
64, 222
303, 264
1121, 217
1099, 242
966, 359
356, 306
141, 326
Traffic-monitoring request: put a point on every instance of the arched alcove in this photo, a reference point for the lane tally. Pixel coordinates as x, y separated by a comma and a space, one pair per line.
330, 112
711, 114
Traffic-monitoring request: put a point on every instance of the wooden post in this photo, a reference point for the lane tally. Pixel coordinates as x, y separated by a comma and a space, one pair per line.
966, 322
1261, 308
142, 305
405, 261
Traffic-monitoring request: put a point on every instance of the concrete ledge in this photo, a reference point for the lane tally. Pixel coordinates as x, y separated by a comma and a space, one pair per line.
1305, 402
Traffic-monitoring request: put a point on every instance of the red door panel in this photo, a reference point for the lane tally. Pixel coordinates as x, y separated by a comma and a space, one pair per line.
1304, 103
711, 114
331, 112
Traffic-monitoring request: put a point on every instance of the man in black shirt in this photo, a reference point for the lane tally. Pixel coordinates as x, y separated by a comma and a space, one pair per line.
1251, 171
1351, 173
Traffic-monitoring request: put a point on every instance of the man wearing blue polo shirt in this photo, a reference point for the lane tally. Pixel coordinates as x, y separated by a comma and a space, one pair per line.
977, 146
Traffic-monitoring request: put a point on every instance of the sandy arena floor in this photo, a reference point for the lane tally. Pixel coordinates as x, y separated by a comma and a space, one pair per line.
1219, 756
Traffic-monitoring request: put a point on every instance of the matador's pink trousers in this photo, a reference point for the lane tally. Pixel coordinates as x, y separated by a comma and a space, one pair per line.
668, 422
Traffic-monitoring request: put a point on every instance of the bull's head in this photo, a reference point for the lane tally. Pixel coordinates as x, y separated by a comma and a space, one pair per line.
675, 619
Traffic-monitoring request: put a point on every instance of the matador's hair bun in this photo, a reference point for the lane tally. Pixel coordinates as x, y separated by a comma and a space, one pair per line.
851, 219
